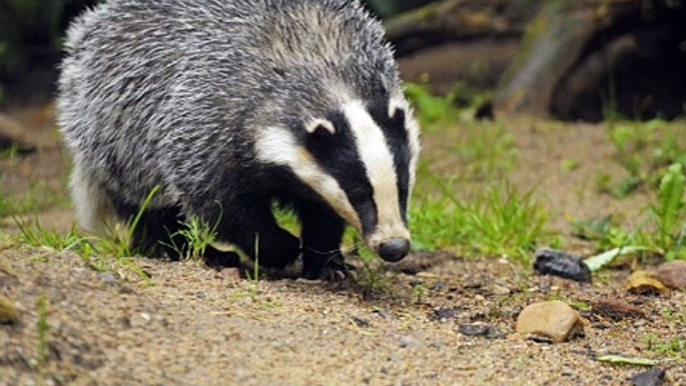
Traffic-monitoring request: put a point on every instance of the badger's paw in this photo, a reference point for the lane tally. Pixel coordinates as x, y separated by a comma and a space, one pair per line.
334, 269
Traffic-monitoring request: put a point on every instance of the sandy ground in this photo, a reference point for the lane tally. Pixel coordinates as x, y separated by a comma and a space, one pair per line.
190, 325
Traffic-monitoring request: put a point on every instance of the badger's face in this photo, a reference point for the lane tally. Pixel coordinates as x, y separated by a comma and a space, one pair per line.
361, 159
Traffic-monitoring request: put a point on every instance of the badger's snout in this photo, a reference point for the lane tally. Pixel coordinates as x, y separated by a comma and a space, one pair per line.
394, 249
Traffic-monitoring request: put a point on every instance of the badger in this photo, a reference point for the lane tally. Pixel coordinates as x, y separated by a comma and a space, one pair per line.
227, 106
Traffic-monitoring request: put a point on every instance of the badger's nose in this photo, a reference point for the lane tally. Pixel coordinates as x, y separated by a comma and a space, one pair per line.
394, 249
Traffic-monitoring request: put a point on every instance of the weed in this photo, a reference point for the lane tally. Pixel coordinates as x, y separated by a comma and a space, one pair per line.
11, 152
673, 348
42, 327
669, 213
118, 244
666, 237
197, 236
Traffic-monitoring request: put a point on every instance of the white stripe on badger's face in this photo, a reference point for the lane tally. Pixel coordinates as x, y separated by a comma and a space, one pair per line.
412, 127
278, 146
377, 158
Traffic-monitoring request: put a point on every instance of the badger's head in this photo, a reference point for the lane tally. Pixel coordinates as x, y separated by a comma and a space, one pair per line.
359, 157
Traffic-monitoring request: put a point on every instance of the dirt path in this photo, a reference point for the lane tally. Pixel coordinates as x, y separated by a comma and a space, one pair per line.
191, 325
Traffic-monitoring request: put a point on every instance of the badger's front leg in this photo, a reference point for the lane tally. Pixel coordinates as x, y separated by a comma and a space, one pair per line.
322, 232
253, 228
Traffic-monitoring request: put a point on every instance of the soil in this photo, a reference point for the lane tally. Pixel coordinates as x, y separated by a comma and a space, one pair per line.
189, 324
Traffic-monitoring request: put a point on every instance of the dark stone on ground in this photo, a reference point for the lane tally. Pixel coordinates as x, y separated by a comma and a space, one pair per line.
652, 377
558, 263
443, 313
474, 329
359, 322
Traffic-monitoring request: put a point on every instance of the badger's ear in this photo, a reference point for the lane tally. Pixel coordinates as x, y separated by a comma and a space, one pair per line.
319, 129
396, 113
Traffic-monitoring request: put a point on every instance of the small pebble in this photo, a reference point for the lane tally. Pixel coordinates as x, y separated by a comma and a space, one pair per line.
382, 313
500, 290
494, 332
474, 329
652, 377
359, 322
673, 274
555, 320
107, 277
406, 341
443, 313
437, 286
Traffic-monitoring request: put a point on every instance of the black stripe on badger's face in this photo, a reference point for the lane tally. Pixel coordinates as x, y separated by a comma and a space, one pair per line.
332, 144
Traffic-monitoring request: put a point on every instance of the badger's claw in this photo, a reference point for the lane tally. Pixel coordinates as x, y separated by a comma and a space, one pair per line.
334, 269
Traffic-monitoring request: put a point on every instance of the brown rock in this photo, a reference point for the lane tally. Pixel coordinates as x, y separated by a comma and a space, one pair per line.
673, 274
555, 320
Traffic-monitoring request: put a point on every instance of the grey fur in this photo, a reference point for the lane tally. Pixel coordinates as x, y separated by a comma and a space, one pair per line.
172, 93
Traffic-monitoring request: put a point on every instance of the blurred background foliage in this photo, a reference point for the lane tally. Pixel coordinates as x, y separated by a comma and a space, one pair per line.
30, 43
564, 59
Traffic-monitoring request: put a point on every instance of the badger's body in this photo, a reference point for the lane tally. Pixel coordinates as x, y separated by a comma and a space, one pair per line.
227, 106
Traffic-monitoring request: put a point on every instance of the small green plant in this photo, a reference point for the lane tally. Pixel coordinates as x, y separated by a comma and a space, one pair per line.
10, 152
197, 235
118, 244
673, 348
35, 235
666, 238
670, 215
42, 328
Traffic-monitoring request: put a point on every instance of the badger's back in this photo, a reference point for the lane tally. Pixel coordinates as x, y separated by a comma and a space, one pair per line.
169, 92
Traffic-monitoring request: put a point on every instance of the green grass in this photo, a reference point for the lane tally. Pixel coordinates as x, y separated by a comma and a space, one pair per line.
32, 233
672, 348
197, 235
118, 242
498, 221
